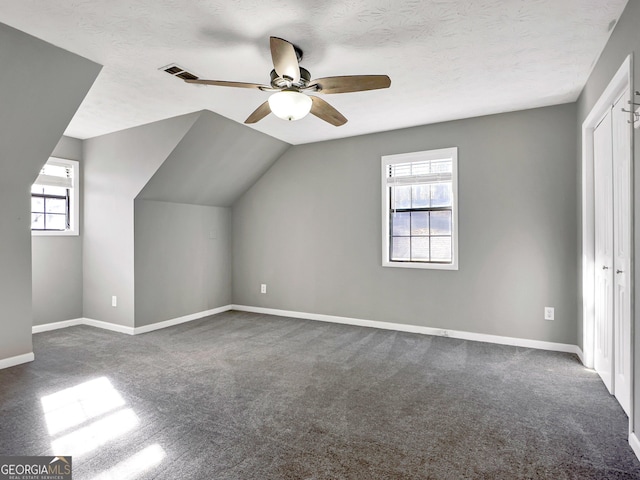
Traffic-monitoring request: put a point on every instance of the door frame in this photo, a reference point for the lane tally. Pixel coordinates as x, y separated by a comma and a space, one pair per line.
623, 79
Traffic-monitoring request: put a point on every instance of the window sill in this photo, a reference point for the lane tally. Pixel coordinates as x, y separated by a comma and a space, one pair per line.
44, 233
424, 266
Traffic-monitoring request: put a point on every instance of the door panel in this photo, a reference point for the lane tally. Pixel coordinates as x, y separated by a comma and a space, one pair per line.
603, 175
621, 147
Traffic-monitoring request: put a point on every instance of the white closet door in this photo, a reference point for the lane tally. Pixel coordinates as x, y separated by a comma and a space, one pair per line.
604, 268
622, 251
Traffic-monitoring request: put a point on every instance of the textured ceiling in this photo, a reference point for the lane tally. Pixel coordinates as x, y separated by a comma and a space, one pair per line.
447, 59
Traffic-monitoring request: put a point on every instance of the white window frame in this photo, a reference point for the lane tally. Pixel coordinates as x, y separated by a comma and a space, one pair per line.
443, 153
74, 201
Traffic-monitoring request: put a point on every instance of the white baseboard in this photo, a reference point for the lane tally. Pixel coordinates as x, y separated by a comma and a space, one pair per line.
179, 320
635, 444
108, 326
580, 355
128, 330
47, 327
17, 360
477, 337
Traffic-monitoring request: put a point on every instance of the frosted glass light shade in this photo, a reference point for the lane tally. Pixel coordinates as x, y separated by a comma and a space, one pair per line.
290, 105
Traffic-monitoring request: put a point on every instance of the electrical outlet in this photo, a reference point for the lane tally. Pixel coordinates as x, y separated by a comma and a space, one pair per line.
114, 301
549, 313
263, 288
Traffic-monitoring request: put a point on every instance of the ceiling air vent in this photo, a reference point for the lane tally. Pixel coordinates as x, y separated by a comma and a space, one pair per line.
186, 76
178, 71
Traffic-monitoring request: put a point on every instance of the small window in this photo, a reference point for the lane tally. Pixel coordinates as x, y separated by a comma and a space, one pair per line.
54, 199
419, 209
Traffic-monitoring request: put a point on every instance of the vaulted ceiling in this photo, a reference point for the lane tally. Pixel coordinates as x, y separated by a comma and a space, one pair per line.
215, 162
447, 59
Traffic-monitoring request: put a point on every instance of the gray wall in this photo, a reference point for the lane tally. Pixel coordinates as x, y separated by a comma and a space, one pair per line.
41, 87
624, 40
57, 261
310, 229
179, 269
215, 163
182, 260
116, 167
69, 148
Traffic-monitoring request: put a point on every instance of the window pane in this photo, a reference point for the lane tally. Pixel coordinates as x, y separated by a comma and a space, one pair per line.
420, 249
36, 189
37, 204
401, 197
441, 223
441, 195
56, 222
420, 196
37, 221
56, 205
420, 223
399, 248
400, 223
441, 249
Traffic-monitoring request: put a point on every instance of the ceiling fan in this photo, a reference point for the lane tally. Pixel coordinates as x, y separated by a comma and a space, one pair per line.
291, 84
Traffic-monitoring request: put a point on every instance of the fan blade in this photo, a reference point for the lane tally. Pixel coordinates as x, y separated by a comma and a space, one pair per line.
351, 83
285, 60
326, 112
221, 83
259, 113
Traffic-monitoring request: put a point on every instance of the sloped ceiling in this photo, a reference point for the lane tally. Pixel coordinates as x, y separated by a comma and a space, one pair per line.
34, 110
447, 59
215, 163
33, 113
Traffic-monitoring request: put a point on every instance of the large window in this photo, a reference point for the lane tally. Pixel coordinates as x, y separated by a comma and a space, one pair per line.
419, 209
54, 199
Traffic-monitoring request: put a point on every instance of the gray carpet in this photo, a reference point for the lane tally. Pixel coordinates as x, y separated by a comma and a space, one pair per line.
246, 396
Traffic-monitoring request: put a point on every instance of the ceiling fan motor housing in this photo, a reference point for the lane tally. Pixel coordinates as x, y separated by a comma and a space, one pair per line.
279, 82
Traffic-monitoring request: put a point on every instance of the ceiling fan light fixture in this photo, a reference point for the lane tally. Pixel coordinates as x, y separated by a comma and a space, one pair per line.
290, 105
